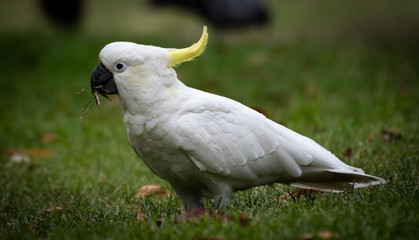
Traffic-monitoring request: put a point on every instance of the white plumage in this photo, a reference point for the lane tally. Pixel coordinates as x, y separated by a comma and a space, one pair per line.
206, 145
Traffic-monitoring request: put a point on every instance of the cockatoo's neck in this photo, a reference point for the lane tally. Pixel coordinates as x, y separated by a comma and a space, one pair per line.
144, 93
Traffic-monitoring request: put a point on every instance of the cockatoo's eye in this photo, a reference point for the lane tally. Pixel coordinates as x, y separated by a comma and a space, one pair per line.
120, 66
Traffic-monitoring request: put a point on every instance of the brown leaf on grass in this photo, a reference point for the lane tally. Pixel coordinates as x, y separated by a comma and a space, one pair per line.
196, 214
16, 156
152, 190
327, 234
319, 234
140, 213
244, 220
307, 236
53, 209
30, 152
48, 137
25, 155
391, 134
348, 152
38, 152
370, 137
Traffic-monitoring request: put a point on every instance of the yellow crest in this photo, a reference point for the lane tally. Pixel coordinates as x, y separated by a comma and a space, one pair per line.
186, 54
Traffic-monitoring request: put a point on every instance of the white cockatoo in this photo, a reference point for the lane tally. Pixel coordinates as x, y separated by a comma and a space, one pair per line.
203, 144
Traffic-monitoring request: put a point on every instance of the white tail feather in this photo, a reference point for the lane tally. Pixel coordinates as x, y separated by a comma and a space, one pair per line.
339, 180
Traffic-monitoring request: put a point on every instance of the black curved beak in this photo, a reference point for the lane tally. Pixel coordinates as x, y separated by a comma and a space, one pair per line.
102, 82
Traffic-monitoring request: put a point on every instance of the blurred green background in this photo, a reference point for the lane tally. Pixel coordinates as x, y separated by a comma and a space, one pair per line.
344, 73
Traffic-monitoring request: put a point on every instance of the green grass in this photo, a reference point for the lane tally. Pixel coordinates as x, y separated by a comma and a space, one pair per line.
342, 94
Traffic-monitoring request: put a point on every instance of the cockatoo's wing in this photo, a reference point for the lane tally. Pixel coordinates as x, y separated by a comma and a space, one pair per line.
226, 138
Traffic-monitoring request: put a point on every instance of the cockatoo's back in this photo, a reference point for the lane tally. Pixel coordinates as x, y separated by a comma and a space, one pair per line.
204, 144
228, 139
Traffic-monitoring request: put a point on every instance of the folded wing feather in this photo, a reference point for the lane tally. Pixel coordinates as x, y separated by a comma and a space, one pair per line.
224, 137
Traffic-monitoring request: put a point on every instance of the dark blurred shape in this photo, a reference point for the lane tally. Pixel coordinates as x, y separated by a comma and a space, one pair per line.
224, 13
64, 13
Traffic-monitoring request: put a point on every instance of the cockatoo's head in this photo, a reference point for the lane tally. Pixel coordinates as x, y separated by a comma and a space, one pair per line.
125, 63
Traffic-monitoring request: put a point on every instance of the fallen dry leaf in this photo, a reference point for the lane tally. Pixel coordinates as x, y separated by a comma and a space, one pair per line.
244, 220
53, 209
16, 156
327, 234
25, 155
307, 236
348, 152
319, 234
370, 137
31, 152
151, 190
38, 152
391, 134
48, 137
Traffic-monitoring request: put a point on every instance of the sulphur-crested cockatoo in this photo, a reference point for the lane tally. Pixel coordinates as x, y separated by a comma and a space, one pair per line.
203, 144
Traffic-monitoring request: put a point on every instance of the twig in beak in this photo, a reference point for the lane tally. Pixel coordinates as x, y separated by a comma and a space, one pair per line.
86, 106
97, 99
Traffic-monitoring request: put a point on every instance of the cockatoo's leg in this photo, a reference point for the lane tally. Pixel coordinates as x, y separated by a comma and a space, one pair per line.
191, 198
222, 200
222, 194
